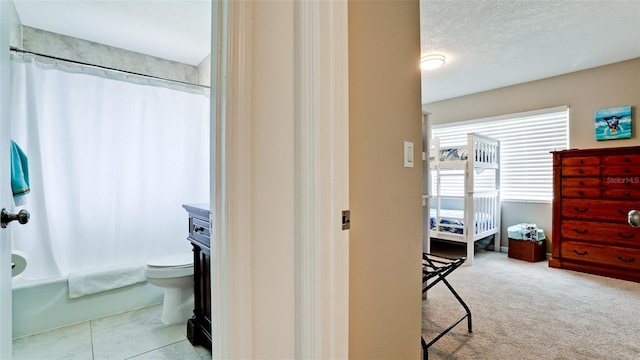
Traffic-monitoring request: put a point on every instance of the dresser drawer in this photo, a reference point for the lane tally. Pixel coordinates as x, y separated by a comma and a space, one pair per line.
601, 254
601, 232
581, 181
621, 159
580, 192
580, 171
581, 160
609, 193
606, 210
625, 171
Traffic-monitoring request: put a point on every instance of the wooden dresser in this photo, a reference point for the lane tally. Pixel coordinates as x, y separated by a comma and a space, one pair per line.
199, 326
594, 189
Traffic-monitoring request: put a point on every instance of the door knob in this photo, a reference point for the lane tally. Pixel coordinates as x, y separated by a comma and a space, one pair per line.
6, 217
634, 218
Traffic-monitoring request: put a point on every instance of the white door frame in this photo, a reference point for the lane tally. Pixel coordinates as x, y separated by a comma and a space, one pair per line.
230, 192
5, 185
322, 168
321, 180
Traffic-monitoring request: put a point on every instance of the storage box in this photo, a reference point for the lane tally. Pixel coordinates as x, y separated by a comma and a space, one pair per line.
526, 250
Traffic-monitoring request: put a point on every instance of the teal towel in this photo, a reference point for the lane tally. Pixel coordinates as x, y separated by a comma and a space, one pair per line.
19, 174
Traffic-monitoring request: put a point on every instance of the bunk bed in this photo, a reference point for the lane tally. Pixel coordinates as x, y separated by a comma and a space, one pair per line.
463, 195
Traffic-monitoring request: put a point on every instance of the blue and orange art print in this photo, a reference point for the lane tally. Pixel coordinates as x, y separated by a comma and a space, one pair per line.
613, 123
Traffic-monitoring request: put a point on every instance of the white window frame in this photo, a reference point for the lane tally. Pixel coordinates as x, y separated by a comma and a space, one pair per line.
526, 139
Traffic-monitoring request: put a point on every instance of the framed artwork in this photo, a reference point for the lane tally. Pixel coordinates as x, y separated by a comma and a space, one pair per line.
613, 123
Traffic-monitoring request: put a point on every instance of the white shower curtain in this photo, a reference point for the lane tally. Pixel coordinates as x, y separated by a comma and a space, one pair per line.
111, 162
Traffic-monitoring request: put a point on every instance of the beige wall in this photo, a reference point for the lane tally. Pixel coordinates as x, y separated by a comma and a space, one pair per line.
384, 110
584, 92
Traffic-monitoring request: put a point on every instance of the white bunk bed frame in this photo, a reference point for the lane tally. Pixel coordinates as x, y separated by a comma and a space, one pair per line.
481, 209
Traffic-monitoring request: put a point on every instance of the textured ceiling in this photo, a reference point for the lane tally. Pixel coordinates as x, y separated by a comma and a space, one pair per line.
492, 44
488, 43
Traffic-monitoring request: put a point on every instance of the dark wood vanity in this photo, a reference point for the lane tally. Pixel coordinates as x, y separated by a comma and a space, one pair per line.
199, 326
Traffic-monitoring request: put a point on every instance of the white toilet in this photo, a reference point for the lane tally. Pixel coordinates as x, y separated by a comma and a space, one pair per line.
175, 274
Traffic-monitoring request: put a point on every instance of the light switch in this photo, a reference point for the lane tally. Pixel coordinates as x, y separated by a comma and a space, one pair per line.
408, 154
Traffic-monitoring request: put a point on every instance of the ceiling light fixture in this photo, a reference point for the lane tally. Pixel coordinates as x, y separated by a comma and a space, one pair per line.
430, 62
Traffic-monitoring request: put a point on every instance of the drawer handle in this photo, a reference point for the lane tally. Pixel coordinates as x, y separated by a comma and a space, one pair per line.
629, 260
627, 194
581, 183
581, 161
626, 171
198, 229
584, 210
580, 171
622, 212
580, 253
627, 159
630, 236
581, 231
580, 192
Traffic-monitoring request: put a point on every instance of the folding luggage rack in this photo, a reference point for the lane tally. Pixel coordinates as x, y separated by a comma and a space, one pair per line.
437, 268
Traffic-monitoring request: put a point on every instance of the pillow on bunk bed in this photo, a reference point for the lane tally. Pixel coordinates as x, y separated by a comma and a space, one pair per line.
454, 153
459, 153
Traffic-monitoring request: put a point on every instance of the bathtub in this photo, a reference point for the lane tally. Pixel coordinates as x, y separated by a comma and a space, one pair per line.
44, 305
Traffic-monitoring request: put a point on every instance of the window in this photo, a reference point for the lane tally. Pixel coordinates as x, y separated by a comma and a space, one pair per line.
526, 140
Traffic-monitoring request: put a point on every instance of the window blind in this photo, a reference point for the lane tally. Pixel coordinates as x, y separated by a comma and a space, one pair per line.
526, 140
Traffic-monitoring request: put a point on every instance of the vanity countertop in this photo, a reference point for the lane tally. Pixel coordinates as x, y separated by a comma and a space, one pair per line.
198, 209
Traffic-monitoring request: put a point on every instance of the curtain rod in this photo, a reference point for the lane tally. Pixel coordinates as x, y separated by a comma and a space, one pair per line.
15, 49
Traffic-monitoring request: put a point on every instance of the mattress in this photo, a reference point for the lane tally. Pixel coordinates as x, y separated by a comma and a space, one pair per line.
455, 217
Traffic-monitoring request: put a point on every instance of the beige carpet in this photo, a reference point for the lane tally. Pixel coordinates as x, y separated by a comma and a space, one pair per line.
525, 310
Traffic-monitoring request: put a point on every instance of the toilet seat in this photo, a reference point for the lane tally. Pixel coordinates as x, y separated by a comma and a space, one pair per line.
173, 266
172, 261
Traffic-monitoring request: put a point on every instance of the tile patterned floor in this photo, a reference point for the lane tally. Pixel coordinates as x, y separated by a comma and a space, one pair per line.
137, 334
